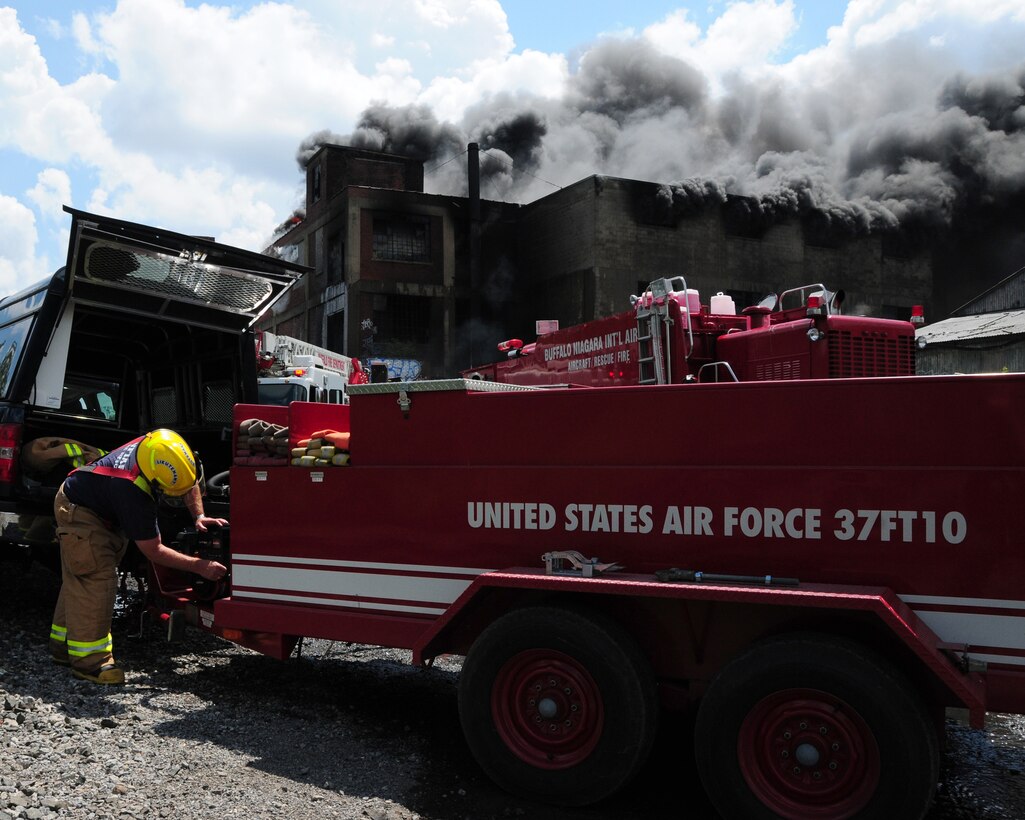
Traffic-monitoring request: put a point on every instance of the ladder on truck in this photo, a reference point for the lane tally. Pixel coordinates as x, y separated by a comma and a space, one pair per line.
654, 324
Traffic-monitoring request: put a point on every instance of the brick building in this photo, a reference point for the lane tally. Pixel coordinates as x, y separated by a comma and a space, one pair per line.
392, 268
396, 273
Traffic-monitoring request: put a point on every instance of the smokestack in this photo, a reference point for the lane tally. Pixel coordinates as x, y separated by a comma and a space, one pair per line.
473, 195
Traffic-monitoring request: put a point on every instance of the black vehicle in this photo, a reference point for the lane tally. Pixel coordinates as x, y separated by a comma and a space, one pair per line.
142, 328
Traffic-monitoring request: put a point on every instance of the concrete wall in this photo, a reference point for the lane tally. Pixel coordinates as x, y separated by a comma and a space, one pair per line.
589, 246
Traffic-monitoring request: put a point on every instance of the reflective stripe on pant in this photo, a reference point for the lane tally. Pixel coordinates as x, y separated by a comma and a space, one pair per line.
90, 554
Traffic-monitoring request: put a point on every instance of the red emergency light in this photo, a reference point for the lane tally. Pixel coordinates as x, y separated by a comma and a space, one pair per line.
299, 371
510, 344
917, 315
816, 307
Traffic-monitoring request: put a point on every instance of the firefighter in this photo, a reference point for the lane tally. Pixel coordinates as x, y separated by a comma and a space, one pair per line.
99, 508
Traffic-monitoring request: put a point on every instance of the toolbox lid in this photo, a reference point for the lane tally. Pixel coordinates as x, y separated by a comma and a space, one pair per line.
436, 386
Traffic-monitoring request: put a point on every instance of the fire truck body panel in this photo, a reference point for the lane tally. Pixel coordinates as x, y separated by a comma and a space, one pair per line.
871, 513
865, 501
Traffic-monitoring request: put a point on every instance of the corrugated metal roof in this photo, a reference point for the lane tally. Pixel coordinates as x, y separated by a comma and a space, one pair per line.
983, 326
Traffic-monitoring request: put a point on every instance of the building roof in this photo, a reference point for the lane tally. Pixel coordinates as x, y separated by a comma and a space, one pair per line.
1005, 323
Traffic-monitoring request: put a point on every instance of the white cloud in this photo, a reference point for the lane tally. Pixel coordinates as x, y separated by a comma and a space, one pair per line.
440, 37
83, 34
18, 265
51, 192
745, 37
534, 72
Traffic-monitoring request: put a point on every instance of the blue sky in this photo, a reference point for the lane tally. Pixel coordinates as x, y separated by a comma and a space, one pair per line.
188, 115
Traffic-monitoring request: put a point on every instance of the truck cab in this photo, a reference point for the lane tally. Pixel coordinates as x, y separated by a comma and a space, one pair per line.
142, 328
293, 370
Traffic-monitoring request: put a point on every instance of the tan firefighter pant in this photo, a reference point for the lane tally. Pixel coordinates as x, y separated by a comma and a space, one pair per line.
90, 554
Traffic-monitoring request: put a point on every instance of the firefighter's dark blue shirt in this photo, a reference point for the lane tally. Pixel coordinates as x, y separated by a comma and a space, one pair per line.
116, 500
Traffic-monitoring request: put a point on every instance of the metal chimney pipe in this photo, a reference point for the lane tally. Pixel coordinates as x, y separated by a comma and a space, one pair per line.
473, 195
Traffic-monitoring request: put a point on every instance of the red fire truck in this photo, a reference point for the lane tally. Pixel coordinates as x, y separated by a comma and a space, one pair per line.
669, 337
819, 568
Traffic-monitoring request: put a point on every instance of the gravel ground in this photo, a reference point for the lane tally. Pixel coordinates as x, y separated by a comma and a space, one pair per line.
204, 729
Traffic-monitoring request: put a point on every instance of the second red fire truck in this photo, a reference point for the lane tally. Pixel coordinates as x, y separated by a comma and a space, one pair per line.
669, 337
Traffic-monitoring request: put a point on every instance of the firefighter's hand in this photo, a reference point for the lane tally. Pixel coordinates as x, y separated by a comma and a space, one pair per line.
205, 521
212, 570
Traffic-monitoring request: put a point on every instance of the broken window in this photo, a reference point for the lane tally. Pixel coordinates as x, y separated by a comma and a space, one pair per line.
402, 238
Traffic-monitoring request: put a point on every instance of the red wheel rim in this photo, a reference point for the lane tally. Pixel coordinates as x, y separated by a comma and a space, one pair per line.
805, 753
547, 709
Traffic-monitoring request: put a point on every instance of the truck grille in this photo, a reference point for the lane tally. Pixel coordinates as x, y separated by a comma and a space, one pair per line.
778, 370
852, 355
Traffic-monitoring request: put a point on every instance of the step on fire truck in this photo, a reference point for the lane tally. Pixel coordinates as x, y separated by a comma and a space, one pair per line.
818, 568
669, 337
293, 370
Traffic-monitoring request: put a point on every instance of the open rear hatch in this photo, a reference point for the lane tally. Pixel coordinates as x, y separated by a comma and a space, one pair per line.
157, 273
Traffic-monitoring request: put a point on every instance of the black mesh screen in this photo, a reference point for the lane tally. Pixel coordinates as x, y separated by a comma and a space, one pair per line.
180, 278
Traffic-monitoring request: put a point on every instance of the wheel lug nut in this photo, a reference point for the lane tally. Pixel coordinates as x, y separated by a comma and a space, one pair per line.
573, 707
835, 747
832, 765
568, 691
822, 730
784, 754
804, 725
797, 769
787, 735
817, 775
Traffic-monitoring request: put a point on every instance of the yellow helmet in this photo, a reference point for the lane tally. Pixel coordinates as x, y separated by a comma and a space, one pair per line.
166, 460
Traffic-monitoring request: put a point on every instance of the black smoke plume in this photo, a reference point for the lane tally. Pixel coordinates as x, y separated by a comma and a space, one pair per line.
890, 143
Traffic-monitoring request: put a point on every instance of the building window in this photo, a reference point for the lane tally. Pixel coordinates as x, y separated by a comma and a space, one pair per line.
315, 193
402, 318
335, 258
402, 238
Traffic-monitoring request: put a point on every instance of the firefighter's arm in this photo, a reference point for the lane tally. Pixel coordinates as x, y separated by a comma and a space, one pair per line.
160, 553
194, 503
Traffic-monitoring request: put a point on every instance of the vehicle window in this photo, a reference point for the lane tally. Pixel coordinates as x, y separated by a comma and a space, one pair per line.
90, 397
12, 345
281, 394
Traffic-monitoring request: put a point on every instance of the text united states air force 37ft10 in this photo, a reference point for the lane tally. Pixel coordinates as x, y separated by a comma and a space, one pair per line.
928, 526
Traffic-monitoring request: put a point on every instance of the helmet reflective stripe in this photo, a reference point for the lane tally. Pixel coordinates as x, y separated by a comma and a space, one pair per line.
58, 633
80, 649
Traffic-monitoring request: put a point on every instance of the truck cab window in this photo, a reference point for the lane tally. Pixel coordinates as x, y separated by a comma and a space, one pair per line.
90, 398
281, 394
12, 343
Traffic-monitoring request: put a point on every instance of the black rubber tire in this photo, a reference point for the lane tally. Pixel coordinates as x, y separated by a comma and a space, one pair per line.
759, 727
593, 685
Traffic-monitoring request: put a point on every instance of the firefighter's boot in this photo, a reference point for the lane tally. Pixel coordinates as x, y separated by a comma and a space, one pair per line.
108, 674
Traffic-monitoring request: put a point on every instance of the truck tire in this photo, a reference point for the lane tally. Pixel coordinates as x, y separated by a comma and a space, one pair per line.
813, 726
558, 704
